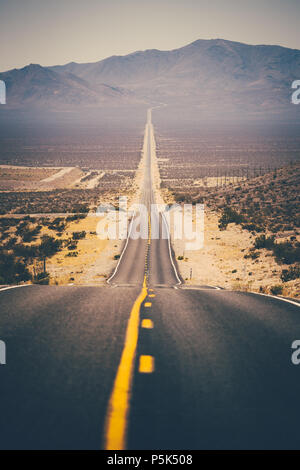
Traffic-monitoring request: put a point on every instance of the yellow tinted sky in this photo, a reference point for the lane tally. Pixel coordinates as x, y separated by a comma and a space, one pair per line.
60, 31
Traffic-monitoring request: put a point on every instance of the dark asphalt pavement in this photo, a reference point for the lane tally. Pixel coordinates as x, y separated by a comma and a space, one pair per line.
223, 373
223, 376
63, 348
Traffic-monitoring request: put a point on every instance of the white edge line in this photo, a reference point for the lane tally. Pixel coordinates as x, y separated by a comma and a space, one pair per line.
15, 287
205, 287
128, 235
169, 244
278, 298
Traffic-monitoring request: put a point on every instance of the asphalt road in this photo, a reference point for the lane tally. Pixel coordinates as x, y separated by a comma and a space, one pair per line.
223, 374
220, 374
63, 347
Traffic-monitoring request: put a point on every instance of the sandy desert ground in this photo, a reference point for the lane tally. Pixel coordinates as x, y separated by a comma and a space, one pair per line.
95, 258
221, 261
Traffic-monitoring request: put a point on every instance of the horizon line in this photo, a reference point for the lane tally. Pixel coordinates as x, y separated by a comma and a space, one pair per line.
148, 50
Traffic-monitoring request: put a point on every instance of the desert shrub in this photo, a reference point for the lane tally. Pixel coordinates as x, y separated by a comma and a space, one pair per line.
72, 246
230, 216
4, 235
253, 255
57, 224
26, 252
71, 218
80, 208
49, 246
264, 242
12, 271
30, 234
10, 243
290, 274
22, 228
287, 253
9, 222
276, 290
116, 256
180, 258
79, 235
252, 227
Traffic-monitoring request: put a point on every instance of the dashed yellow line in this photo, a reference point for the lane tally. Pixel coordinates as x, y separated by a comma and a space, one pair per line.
147, 323
146, 365
118, 408
149, 229
147, 304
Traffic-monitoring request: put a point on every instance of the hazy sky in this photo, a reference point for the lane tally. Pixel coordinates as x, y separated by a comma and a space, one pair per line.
52, 32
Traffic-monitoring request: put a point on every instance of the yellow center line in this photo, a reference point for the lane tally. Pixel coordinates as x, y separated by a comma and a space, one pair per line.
116, 422
118, 408
149, 229
146, 365
147, 323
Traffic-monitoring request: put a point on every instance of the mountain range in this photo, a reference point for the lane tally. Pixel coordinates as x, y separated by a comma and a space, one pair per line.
208, 74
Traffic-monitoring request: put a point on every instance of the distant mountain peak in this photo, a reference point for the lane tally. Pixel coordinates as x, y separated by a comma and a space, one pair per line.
208, 73
33, 66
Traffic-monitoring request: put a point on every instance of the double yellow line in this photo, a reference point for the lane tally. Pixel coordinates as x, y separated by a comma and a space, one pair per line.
116, 422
